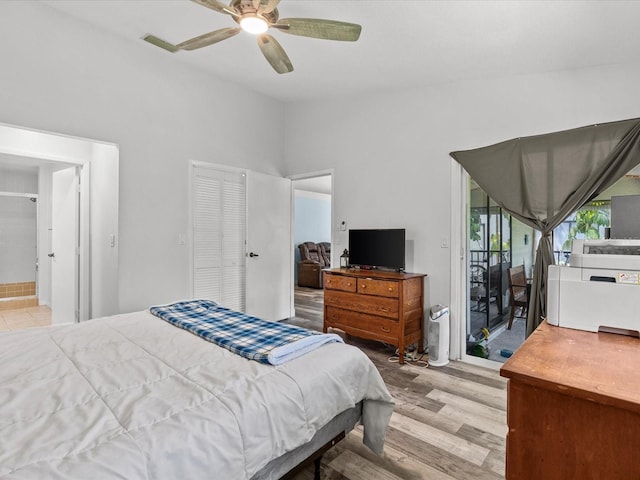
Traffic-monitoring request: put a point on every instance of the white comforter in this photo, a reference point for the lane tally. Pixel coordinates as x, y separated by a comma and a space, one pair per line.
133, 397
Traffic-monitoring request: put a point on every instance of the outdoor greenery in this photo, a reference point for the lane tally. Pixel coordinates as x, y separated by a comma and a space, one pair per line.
589, 221
474, 227
495, 243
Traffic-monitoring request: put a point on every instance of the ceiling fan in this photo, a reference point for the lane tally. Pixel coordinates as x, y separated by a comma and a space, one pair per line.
257, 16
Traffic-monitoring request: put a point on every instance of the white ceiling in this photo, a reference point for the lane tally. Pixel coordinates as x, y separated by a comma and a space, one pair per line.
404, 43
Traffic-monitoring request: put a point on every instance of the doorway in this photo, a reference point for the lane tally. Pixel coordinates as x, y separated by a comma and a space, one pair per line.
37, 225
95, 252
496, 242
590, 221
486, 237
18, 251
312, 225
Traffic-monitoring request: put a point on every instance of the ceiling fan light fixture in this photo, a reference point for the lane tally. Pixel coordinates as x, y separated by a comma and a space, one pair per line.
258, 16
254, 24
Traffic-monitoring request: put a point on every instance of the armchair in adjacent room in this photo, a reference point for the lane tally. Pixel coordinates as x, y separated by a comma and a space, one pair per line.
325, 253
310, 265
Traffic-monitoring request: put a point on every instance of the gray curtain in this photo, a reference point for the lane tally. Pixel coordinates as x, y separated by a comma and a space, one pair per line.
541, 180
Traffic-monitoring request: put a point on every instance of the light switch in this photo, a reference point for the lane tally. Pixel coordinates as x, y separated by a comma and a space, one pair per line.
182, 240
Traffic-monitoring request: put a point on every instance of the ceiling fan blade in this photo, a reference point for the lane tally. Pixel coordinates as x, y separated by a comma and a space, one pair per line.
217, 6
209, 38
265, 6
319, 28
158, 42
274, 53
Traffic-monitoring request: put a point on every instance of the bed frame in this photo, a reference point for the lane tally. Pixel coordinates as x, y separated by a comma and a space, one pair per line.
289, 464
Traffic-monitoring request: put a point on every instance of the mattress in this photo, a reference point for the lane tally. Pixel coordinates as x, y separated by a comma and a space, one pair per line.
133, 397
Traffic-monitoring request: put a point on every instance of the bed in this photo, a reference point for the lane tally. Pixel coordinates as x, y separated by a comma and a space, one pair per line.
133, 397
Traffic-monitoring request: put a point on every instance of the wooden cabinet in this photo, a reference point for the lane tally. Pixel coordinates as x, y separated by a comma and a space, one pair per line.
377, 305
573, 406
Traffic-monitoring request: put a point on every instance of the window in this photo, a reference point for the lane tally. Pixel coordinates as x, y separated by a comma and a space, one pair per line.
589, 223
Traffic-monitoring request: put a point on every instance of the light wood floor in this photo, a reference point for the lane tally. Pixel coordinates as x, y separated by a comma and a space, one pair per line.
21, 318
449, 422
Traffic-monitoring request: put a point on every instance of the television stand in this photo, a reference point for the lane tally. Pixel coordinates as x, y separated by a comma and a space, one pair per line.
379, 305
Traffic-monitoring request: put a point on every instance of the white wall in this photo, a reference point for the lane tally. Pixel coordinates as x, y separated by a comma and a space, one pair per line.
390, 151
63, 76
521, 253
17, 227
104, 239
311, 221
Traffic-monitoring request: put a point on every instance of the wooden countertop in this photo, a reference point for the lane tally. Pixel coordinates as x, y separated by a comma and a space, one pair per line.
600, 367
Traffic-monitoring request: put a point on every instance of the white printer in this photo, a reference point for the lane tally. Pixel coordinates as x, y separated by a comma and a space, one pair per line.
599, 290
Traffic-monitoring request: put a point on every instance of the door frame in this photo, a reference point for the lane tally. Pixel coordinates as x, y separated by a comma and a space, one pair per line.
52, 151
334, 223
459, 292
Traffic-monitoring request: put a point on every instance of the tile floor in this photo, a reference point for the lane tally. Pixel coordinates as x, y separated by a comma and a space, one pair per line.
22, 318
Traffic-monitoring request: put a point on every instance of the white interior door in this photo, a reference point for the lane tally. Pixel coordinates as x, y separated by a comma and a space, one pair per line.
64, 243
269, 250
218, 206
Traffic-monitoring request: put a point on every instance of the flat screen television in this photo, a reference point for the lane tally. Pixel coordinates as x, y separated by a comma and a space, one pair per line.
377, 248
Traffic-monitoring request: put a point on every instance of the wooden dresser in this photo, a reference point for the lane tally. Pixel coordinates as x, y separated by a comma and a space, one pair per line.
573, 406
377, 305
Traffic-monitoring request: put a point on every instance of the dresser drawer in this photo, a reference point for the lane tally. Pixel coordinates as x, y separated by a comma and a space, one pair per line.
383, 288
385, 307
360, 323
339, 282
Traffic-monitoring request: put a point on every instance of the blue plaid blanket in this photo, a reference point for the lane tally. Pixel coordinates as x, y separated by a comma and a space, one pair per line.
250, 337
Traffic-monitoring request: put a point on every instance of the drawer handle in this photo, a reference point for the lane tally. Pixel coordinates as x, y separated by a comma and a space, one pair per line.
382, 309
385, 329
391, 289
363, 286
348, 284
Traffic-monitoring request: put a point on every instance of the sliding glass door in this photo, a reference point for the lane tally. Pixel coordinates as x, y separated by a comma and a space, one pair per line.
489, 247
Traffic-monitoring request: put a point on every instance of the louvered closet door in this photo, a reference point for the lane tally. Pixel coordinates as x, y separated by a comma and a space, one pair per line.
219, 236
233, 241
